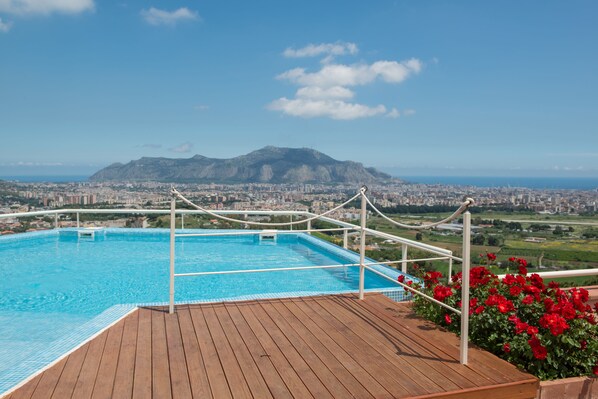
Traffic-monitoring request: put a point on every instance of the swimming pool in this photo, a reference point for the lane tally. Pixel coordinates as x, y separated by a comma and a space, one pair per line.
58, 289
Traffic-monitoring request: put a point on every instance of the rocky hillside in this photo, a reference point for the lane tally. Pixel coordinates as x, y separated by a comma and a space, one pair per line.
268, 165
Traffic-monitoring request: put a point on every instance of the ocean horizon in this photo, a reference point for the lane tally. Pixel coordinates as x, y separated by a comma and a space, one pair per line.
557, 183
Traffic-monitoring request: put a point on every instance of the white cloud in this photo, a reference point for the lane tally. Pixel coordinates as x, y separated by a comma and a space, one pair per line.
335, 109
45, 7
155, 16
394, 113
5, 26
330, 49
151, 146
354, 75
315, 92
201, 107
182, 148
409, 112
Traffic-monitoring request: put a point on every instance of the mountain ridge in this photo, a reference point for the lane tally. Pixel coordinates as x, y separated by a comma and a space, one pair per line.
266, 165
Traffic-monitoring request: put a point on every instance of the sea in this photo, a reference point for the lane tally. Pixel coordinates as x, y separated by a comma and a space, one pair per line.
566, 183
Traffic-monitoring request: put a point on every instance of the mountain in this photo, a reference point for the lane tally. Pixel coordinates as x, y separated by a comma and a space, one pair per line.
267, 165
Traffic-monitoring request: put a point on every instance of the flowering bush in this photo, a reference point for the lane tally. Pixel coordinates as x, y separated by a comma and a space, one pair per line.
547, 331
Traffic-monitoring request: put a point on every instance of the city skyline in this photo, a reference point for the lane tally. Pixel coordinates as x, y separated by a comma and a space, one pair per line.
435, 88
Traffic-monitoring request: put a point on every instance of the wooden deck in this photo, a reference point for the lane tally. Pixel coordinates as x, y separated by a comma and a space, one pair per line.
311, 347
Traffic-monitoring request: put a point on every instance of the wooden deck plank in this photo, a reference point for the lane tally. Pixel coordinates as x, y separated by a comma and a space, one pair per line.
334, 365
48, 382
254, 378
160, 365
89, 369
303, 370
412, 351
398, 322
335, 387
179, 376
198, 378
486, 364
329, 346
215, 372
236, 380
142, 376
339, 352
107, 370
372, 361
405, 357
68, 378
273, 380
123, 381
289, 375
26, 390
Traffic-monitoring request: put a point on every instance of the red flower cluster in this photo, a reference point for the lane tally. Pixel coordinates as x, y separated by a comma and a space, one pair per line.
538, 350
441, 292
491, 257
554, 322
502, 304
431, 278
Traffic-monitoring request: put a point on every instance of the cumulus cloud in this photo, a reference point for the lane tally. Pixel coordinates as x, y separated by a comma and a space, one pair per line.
182, 148
45, 7
335, 109
354, 75
155, 16
315, 92
393, 113
5, 26
329, 49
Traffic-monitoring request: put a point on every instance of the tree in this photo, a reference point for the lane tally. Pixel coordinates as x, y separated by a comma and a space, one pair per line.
493, 241
478, 240
419, 236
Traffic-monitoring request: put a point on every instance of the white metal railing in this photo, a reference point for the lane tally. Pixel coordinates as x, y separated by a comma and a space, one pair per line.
564, 273
362, 230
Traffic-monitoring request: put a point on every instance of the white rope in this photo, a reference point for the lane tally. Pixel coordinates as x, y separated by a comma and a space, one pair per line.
185, 200
468, 202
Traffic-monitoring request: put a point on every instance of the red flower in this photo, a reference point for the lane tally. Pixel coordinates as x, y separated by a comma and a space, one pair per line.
515, 290
506, 347
539, 351
554, 322
447, 318
431, 278
553, 284
491, 257
522, 270
512, 259
479, 309
441, 292
522, 262
528, 300
584, 344
595, 369
401, 278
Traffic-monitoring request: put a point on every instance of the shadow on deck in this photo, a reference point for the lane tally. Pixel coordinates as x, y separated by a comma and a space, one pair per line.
321, 347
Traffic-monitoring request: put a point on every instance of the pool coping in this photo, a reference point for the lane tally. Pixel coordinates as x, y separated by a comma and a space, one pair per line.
63, 346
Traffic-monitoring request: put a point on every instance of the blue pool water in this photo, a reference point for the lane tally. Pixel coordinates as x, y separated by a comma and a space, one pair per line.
54, 284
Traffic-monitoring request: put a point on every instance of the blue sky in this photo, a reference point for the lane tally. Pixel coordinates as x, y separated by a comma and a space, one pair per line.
416, 87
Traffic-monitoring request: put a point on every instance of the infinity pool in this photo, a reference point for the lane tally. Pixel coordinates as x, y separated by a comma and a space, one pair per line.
57, 289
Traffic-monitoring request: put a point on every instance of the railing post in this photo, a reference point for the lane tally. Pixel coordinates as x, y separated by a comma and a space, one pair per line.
404, 258
182, 221
172, 231
291, 220
309, 227
465, 287
78, 219
450, 269
56, 220
345, 239
362, 244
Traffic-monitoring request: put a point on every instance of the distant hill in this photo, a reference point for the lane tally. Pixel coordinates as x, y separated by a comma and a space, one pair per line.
267, 165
